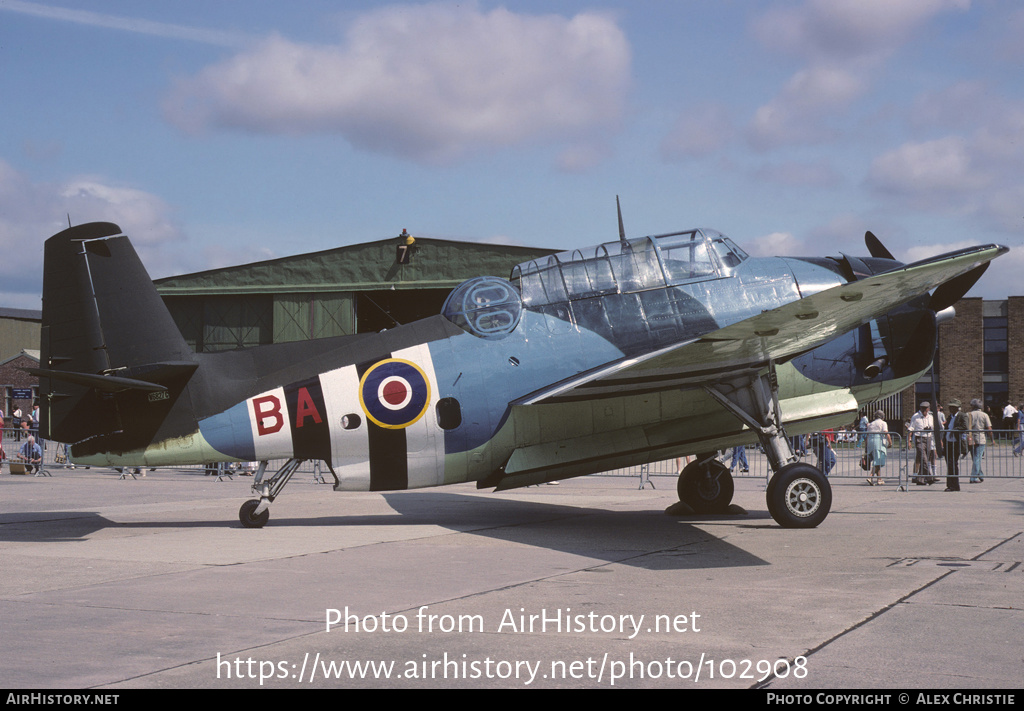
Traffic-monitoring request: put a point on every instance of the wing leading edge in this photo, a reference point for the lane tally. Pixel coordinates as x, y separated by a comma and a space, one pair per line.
778, 334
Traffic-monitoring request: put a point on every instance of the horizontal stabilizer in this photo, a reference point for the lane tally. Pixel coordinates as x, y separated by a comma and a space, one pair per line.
103, 383
116, 383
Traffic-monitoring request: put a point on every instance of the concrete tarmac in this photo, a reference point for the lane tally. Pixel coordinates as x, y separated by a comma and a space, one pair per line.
154, 584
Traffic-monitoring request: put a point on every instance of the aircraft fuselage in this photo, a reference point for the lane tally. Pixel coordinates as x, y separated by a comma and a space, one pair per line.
432, 402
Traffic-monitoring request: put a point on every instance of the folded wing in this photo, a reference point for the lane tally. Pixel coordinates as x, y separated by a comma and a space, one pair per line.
777, 334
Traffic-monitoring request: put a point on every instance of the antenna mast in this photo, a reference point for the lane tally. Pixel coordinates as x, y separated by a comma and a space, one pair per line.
622, 230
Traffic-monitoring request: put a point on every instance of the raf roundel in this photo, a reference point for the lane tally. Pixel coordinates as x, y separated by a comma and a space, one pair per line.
394, 393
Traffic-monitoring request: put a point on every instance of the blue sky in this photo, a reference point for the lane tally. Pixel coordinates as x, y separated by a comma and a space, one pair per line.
221, 133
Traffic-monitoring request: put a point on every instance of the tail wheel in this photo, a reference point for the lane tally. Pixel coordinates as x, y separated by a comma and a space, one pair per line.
249, 518
799, 496
705, 485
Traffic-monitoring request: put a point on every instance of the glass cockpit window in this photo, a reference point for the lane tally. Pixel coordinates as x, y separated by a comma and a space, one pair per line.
599, 269
686, 256
728, 253
728, 259
626, 266
736, 249
635, 265
574, 272
539, 282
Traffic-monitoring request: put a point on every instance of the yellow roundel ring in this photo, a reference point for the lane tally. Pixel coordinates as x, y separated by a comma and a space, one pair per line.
394, 393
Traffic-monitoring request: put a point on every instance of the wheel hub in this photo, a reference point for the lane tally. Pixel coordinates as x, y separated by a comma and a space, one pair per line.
709, 488
803, 497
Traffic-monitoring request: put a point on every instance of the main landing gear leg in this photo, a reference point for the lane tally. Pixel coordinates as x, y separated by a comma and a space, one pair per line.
255, 513
798, 495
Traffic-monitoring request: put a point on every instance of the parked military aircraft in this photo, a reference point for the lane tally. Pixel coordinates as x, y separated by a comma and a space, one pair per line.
632, 351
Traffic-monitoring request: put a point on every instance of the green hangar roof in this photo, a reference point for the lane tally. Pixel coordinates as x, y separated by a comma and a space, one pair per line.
371, 266
362, 288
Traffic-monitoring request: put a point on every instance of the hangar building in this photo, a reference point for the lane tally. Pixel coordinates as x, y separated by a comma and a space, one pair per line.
360, 288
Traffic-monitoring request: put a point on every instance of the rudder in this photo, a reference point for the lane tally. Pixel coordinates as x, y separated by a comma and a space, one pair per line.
112, 361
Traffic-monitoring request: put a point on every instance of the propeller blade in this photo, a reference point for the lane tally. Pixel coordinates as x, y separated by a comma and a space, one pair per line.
953, 290
875, 246
917, 351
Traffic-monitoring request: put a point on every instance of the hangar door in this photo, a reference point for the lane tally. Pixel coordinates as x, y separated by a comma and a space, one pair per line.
300, 317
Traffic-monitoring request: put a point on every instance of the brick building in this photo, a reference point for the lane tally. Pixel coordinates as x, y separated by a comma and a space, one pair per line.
974, 358
16, 383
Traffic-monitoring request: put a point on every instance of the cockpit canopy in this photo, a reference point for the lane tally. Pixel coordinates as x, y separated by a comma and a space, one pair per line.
623, 267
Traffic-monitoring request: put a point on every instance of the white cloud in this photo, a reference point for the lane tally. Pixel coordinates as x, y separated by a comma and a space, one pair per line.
930, 170
776, 244
973, 172
844, 30
146, 216
795, 115
426, 82
843, 43
31, 212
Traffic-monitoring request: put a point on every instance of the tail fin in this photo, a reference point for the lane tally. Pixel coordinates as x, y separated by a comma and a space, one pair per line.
112, 361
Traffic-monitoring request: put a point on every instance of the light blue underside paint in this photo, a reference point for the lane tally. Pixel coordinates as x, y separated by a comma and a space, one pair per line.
230, 432
481, 373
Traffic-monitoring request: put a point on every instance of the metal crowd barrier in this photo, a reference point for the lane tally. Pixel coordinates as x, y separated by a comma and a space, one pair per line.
1001, 458
56, 457
13, 440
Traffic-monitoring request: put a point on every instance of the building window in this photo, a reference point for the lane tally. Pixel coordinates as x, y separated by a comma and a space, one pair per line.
997, 394
996, 359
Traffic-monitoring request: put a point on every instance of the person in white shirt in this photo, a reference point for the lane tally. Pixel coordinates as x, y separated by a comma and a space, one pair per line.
922, 430
1009, 419
979, 423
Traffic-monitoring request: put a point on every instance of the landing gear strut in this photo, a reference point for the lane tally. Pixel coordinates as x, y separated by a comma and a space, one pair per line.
798, 495
255, 513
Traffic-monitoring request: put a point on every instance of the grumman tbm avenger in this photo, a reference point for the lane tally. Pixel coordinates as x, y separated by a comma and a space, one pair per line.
632, 351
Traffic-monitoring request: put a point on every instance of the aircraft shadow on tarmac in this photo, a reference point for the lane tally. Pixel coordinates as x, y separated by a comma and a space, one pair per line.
1017, 503
646, 539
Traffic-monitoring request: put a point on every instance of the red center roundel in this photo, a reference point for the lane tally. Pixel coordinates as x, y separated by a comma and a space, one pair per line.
394, 392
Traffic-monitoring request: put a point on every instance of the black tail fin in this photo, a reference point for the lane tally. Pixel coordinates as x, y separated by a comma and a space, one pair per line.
112, 361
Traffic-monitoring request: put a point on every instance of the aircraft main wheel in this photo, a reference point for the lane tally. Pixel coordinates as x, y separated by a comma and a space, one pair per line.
799, 496
705, 488
247, 517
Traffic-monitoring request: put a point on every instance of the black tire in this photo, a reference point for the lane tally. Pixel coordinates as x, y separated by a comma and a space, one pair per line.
706, 488
799, 496
245, 515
